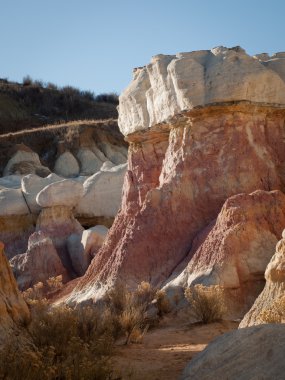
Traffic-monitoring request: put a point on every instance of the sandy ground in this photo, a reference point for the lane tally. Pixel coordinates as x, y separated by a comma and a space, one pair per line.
166, 350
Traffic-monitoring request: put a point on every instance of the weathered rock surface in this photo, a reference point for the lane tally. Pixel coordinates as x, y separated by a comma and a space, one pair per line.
251, 353
235, 249
83, 247
13, 309
89, 162
25, 161
66, 165
61, 193
15, 231
39, 263
12, 202
102, 192
174, 83
274, 288
32, 185
11, 181
179, 176
58, 223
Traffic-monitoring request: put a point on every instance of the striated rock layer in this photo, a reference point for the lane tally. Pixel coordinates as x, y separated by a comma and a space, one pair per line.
234, 250
13, 309
179, 175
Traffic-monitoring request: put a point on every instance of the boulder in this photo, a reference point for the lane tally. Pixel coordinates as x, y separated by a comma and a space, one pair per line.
114, 153
274, 288
83, 247
174, 83
66, 165
89, 162
58, 223
235, 249
13, 309
32, 185
61, 193
12, 202
39, 263
102, 193
25, 161
251, 353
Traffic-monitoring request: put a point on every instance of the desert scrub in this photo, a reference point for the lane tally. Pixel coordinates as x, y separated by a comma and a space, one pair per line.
207, 302
128, 310
60, 343
274, 314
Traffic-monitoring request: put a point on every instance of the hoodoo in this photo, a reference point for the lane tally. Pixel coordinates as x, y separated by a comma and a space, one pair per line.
202, 127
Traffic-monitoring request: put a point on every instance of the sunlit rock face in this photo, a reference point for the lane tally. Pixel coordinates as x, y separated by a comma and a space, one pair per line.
202, 127
179, 176
174, 83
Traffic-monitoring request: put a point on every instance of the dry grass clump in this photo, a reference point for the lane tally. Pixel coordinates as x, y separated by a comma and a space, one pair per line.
130, 310
64, 343
274, 314
207, 302
60, 342
40, 292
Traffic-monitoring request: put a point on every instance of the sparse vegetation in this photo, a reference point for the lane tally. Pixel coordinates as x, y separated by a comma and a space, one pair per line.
207, 302
69, 343
275, 313
34, 103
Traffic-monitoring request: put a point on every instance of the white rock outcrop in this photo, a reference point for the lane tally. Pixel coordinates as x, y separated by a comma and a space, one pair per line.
11, 181
12, 202
32, 185
89, 162
102, 193
83, 247
62, 193
66, 165
174, 83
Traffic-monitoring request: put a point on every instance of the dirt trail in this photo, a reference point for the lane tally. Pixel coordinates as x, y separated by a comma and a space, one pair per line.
166, 350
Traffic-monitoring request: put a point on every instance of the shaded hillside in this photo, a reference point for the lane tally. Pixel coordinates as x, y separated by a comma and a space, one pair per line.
31, 104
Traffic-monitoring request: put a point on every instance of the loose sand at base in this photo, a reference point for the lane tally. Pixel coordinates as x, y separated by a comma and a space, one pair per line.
166, 350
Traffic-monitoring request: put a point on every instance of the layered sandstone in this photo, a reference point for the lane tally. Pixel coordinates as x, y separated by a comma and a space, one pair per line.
234, 250
179, 175
13, 309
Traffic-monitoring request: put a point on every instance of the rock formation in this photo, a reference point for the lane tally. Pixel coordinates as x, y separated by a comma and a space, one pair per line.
83, 247
87, 147
58, 223
253, 353
186, 158
39, 263
13, 309
234, 250
274, 288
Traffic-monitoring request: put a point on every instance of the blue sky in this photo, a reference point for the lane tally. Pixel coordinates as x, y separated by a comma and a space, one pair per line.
94, 45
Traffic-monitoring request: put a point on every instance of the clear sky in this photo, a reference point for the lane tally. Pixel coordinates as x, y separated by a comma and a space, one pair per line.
94, 44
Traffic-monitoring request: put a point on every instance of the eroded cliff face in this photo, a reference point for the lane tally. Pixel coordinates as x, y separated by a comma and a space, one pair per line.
13, 309
179, 175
